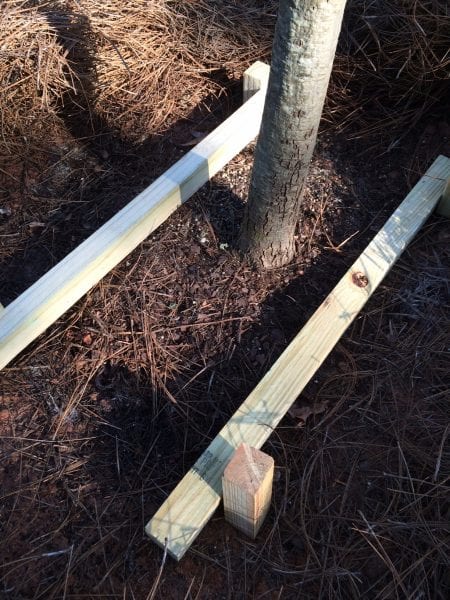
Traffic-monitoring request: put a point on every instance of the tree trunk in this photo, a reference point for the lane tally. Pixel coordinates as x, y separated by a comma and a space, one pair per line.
305, 42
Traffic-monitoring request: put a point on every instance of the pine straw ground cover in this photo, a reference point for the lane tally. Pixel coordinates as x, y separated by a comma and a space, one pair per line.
101, 416
138, 66
83, 82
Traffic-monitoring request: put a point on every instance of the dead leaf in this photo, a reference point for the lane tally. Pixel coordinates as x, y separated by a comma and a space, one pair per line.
302, 413
87, 339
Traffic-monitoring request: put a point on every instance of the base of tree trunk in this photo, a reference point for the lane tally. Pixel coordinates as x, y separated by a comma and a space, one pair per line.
305, 41
263, 251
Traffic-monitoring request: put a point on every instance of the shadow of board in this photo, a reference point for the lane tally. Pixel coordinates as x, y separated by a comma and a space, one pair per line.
123, 168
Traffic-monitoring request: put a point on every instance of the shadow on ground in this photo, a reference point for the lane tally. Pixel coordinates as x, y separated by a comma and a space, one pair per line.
95, 172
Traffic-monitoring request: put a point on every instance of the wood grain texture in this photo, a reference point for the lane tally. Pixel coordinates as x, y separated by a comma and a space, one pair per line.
188, 508
247, 489
45, 301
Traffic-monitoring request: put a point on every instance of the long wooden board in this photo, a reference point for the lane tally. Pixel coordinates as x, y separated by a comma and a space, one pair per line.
188, 508
45, 301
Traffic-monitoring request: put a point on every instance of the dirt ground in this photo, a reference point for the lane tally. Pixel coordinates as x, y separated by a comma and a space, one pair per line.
104, 413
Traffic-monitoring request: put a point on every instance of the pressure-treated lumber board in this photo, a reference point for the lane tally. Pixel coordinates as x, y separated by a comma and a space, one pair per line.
443, 208
41, 304
247, 489
255, 78
188, 508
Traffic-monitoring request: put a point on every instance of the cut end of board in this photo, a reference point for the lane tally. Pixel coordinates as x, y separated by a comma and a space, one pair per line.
168, 529
248, 468
247, 489
256, 77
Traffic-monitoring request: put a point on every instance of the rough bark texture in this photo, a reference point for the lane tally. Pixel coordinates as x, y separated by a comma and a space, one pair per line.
305, 42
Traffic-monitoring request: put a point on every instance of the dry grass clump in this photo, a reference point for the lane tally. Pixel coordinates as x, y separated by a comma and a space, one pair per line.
392, 65
34, 76
157, 61
137, 67
134, 68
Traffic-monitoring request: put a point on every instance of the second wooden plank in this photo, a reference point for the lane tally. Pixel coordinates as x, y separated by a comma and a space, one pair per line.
194, 500
39, 306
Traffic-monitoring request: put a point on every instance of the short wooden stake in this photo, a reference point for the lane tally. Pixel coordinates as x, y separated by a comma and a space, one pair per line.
247, 489
256, 77
443, 208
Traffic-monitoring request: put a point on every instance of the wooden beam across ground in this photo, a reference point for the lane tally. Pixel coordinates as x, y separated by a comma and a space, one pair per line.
194, 500
40, 305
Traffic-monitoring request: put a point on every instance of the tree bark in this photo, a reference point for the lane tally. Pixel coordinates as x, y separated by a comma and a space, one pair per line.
305, 42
